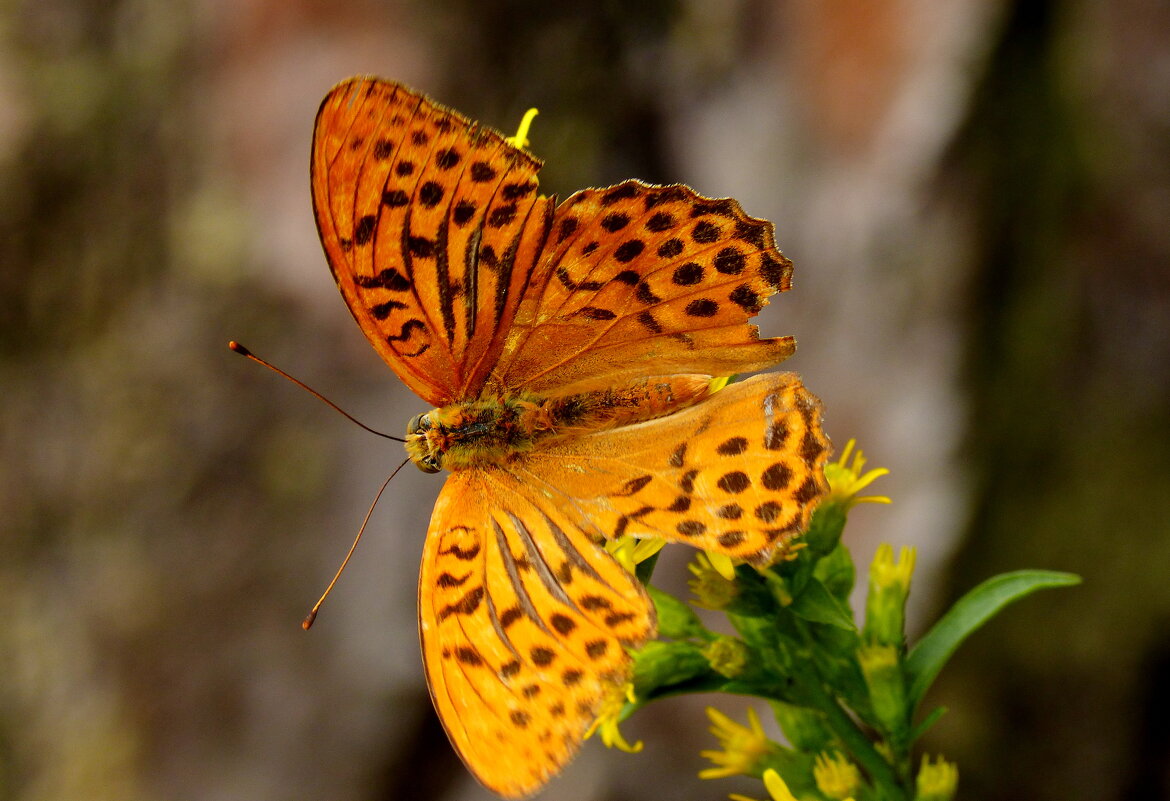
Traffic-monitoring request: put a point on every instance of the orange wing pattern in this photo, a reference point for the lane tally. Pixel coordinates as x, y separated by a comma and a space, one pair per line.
432, 226
645, 280
622, 301
738, 473
524, 623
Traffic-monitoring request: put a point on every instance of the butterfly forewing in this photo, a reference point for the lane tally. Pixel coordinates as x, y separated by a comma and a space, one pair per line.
524, 623
432, 226
640, 280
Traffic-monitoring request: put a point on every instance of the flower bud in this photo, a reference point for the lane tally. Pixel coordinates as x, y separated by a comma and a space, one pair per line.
885, 606
938, 781
836, 776
728, 656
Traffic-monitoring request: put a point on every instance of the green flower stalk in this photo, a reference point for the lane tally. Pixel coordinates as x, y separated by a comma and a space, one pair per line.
803, 727
881, 666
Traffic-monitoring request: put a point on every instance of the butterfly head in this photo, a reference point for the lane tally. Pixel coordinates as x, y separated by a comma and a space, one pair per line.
420, 444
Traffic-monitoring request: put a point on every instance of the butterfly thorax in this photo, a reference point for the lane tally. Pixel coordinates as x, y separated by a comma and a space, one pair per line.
494, 431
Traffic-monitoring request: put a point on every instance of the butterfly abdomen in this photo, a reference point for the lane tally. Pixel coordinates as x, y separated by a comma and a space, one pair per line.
644, 399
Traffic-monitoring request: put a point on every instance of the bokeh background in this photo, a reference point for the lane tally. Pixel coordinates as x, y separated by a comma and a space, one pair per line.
976, 194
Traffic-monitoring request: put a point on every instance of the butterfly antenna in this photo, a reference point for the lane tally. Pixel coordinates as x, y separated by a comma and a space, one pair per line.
307, 623
240, 349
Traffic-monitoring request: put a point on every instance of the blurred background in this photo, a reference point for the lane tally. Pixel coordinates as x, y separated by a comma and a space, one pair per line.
977, 198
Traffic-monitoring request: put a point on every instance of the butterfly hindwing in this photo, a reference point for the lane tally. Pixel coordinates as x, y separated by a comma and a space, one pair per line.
739, 473
432, 226
524, 623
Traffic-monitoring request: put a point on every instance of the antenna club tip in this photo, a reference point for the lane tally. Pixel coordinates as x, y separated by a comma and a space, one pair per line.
238, 348
307, 623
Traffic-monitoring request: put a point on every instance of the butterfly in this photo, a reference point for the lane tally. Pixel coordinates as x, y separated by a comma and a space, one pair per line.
567, 350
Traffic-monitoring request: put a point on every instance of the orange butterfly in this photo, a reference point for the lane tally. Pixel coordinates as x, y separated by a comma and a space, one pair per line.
568, 351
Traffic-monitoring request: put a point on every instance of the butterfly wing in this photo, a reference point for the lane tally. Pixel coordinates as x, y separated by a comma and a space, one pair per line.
524, 622
643, 280
431, 225
738, 473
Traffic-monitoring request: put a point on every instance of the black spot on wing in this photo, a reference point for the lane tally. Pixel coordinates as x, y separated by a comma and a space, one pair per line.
615, 221
408, 329
395, 198
702, 307
465, 605
381, 311
619, 192
388, 278
363, 232
482, 172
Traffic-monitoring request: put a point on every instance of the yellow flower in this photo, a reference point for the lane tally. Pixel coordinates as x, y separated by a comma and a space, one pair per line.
743, 746
846, 479
629, 550
520, 140
606, 724
713, 588
775, 786
937, 782
722, 564
716, 384
836, 776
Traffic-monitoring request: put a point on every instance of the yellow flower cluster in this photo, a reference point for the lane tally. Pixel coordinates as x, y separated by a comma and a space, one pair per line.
713, 580
846, 479
629, 550
606, 724
743, 746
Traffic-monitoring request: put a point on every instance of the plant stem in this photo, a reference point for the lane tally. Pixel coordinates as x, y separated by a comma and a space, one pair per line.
855, 740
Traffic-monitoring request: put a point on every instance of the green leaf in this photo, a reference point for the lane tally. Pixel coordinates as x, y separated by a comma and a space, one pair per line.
676, 620
927, 722
968, 614
659, 664
819, 605
824, 530
644, 570
836, 572
805, 728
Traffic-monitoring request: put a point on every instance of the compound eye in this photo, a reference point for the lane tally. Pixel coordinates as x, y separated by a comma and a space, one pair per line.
418, 423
